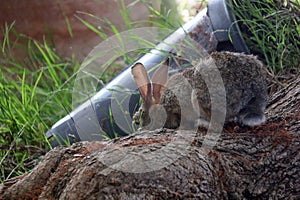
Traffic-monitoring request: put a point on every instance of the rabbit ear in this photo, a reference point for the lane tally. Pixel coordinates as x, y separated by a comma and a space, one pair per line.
159, 80
141, 79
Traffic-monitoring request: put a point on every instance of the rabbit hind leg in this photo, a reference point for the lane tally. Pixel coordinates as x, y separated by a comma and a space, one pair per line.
253, 113
253, 119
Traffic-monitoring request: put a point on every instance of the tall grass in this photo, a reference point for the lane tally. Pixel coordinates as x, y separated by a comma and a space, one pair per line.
34, 94
272, 30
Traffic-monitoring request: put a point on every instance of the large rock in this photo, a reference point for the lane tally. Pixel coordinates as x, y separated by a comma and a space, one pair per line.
246, 163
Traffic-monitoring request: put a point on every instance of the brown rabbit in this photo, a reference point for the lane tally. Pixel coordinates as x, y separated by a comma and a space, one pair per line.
225, 84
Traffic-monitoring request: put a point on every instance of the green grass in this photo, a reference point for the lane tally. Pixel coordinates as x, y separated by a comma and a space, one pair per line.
34, 94
272, 30
37, 91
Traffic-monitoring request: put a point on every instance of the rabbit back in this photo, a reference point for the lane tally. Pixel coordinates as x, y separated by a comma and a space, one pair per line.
244, 82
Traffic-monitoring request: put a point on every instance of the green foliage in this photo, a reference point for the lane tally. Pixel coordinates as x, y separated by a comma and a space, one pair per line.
271, 30
34, 94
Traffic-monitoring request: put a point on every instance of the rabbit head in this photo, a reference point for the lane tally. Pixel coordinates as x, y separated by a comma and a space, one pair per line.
151, 113
166, 102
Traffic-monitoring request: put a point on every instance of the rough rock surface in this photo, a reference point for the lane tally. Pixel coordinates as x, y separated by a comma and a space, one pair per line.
246, 163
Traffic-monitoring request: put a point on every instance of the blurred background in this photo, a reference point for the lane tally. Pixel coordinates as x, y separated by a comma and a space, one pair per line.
60, 22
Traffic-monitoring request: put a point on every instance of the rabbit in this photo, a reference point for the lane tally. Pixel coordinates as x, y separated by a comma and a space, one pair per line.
185, 100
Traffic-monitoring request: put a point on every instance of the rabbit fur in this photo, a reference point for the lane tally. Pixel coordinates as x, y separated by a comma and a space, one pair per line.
187, 100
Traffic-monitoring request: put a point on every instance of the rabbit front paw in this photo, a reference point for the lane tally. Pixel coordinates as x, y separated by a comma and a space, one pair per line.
137, 117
